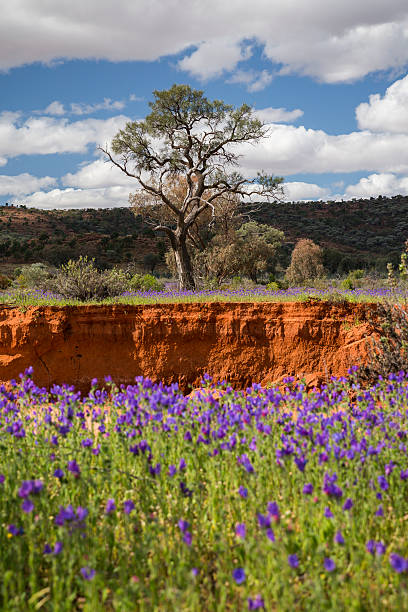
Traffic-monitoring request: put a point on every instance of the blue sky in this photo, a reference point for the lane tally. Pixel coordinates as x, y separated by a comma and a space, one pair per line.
330, 80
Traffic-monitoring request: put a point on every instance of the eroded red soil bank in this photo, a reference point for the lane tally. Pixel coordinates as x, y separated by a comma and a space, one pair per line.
242, 343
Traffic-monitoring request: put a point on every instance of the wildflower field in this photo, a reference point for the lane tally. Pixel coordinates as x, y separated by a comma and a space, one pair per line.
140, 498
38, 297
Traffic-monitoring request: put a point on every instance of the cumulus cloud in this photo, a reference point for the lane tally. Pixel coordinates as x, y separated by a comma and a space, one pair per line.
55, 108
212, 58
277, 115
386, 184
99, 174
78, 108
45, 135
388, 113
295, 150
295, 191
253, 79
22, 184
332, 41
109, 197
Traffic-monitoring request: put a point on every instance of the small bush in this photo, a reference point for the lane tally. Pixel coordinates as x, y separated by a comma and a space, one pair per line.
5, 281
34, 276
145, 282
273, 286
306, 263
81, 280
388, 348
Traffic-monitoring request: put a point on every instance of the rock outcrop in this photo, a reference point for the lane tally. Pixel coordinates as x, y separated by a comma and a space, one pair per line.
238, 342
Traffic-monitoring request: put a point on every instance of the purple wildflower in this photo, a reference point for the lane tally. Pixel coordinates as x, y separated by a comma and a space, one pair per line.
370, 547
398, 563
256, 603
26, 488
58, 548
270, 535
58, 473
27, 505
240, 530
128, 506
183, 525
338, 538
308, 489
329, 564
2, 478
110, 506
264, 520
380, 548
187, 538
293, 560
348, 504
328, 513
47, 550
243, 491
383, 483
81, 513
172, 470
182, 465
87, 573
380, 511
15, 531
239, 575
74, 468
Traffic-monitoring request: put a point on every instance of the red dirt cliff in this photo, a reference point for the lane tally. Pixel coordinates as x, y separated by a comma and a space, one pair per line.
238, 342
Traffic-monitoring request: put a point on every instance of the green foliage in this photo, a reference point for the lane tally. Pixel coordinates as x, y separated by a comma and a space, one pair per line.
352, 280
81, 280
33, 276
145, 282
246, 251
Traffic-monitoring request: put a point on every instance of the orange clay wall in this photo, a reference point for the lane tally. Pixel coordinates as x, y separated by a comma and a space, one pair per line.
238, 342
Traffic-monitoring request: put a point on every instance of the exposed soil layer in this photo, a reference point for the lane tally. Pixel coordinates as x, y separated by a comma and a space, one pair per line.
239, 342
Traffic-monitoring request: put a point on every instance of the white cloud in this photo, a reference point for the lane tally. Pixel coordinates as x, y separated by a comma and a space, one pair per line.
388, 113
55, 108
296, 190
386, 184
253, 79
332, 41
215, 57
99, 174
45, 135
294, 150
109, 197
79, 108
277, 115
22, 184
86, 109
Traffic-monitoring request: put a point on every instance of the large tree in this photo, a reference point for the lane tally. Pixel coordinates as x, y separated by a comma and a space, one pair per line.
188, 137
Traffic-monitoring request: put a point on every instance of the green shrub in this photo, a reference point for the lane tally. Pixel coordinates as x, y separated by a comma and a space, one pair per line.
81, 280
34, 276
273, 286
145, 282
347, 283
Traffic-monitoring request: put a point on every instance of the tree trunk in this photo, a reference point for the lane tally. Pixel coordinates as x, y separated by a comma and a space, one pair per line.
184, 267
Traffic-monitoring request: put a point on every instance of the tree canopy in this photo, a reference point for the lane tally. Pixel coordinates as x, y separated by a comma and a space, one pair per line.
190, 137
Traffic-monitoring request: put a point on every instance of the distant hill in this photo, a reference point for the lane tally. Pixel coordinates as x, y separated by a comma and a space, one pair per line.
354, 234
